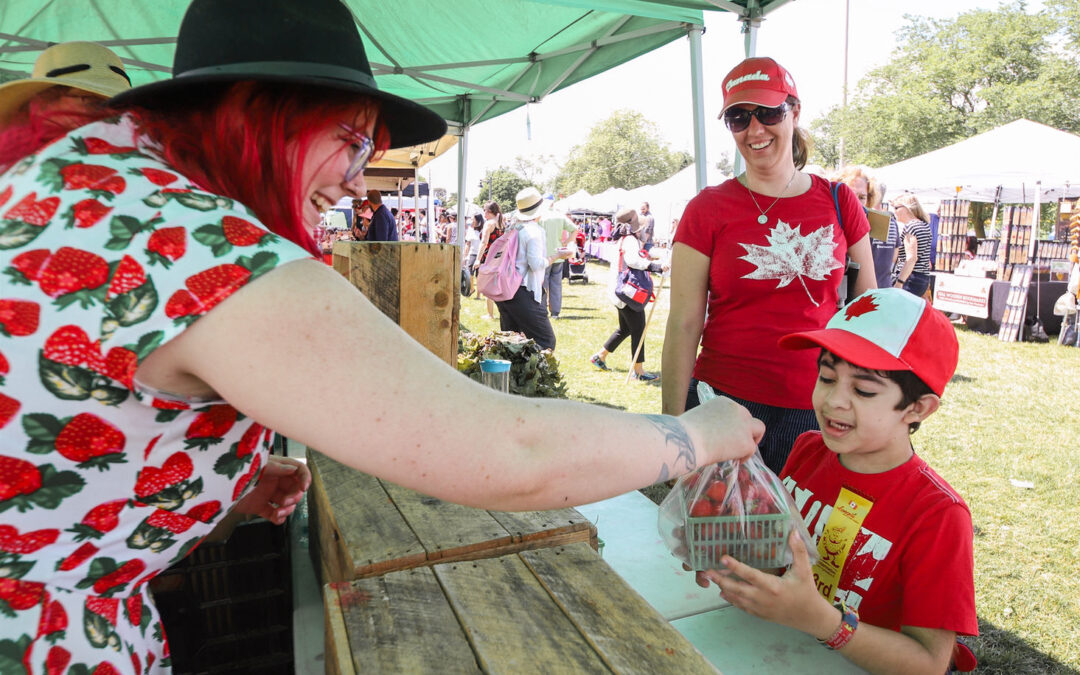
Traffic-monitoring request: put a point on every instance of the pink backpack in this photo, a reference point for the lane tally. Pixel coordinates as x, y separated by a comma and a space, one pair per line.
498, 277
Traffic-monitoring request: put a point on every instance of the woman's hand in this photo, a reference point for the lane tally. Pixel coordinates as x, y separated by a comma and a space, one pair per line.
280, 488
723, 429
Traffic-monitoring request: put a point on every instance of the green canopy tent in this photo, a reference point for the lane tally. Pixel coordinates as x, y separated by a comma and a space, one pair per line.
476, 60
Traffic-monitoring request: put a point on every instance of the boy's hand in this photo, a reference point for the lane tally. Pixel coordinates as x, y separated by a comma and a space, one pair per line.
791, 599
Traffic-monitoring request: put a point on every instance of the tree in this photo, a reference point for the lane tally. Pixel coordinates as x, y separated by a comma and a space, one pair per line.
624, 151
724, 165
951, 79
537, 169
503, 185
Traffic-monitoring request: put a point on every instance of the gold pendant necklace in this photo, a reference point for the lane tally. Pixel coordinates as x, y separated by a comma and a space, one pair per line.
763, 218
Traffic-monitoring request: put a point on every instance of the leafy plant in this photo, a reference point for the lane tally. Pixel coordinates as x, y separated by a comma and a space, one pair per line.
533, 371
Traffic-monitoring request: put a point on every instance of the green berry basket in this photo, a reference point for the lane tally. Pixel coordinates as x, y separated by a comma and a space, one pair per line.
759, 541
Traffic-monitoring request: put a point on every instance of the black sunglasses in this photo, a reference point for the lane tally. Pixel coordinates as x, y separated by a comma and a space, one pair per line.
737, 119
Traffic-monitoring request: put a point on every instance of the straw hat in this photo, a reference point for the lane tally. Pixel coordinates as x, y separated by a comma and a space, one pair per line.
629, 218
314, 43
529, 203
81, 65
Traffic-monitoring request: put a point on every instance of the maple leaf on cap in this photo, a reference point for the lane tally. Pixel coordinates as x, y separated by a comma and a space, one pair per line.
863, 305
792, 255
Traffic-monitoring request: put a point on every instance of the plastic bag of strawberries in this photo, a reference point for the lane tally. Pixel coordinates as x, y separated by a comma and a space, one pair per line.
740, 509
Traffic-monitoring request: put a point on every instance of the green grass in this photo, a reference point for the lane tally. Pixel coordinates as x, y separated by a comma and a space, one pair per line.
1011, 412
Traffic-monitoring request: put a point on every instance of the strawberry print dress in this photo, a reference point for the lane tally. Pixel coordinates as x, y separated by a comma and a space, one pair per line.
106, 253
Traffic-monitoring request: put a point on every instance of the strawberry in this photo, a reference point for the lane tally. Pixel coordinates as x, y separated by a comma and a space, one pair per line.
70, 270
177, 523
167, 245
105, 668
20, 594
240, 232
205, 512
77, 175
136, 664
17, 477
90, 440
56, 661
210, 426
133, 605
114, 184
249, 441
33, 212
13, 542
106, 608
213, 285
53, 619
86, 213
8, 408
19, 318
115, 581
6, 195
128, 276
120, 365
97, 146
99, 520
27, 266
153, 480
71, 346
242, 484
155, 176
182, 304
716, 492
702, 508
77, 557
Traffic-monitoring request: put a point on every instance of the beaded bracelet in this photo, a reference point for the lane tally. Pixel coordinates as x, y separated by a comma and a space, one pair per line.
848, 623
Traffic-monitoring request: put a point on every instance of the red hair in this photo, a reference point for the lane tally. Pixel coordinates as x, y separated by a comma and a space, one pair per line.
35, 125
249, 140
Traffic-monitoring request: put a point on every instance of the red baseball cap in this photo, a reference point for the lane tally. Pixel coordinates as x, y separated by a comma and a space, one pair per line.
758, 80
889, 329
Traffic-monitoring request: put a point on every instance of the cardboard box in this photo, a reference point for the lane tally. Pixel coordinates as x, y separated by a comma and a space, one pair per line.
879, 224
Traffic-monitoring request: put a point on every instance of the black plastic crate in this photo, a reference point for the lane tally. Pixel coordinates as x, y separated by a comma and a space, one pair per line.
227, 607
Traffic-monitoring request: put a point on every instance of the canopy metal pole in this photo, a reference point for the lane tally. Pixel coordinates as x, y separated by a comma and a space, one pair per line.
463, 156
750, 25
697, 86
1033, 246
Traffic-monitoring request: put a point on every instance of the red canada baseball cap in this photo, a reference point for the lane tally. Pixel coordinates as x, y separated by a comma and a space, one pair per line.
889, 329
758, 80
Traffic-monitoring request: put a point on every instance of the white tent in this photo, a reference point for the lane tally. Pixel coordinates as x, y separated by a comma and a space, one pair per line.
1012, 157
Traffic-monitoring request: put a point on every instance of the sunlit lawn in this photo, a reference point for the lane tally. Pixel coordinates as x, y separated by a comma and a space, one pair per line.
1010, 413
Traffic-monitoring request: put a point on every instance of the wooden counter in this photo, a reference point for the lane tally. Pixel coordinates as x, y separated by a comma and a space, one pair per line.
362, 526
551, 610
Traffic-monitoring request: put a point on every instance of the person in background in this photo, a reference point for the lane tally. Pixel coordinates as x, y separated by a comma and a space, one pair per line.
629, 232
895, 582
524, 312
757, 257
382, 227
558, 237
912, 272
472, 243
67, 88
494, 226
647, 226
147, 368
870, 194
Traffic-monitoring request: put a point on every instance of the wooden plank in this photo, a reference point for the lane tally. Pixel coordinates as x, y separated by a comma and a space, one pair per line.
511, 621
362, 529
431, 296
626, 631
448, 530
374, 268
338, 657
328, 556
401, 622
526, 525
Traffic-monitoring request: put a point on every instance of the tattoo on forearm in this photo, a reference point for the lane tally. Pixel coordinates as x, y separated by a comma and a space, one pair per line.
675, 434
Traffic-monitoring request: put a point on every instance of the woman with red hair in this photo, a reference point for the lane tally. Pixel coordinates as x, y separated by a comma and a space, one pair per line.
165, 310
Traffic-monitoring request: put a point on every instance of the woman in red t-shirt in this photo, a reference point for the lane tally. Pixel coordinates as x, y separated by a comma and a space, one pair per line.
755, 258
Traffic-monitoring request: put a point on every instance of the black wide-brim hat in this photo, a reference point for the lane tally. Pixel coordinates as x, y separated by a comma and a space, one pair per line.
311, 42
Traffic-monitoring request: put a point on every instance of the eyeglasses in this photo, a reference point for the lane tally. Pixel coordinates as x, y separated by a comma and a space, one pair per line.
737, 119
363, 148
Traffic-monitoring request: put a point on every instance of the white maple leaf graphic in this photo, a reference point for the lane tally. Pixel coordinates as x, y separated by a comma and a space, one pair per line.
791, 255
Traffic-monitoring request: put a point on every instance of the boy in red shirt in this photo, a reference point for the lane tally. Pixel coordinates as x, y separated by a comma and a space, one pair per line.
895, 582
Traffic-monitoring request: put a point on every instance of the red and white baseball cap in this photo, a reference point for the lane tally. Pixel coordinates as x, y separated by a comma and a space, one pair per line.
758, 80
889, 329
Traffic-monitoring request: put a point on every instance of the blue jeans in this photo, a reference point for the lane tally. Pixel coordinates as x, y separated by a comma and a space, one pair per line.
917, 283
553, 288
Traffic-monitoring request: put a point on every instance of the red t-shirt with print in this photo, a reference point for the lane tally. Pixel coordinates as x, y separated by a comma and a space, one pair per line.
911, 564
766, 281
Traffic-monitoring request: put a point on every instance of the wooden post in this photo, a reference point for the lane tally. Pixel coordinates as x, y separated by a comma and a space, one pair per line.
417, 285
